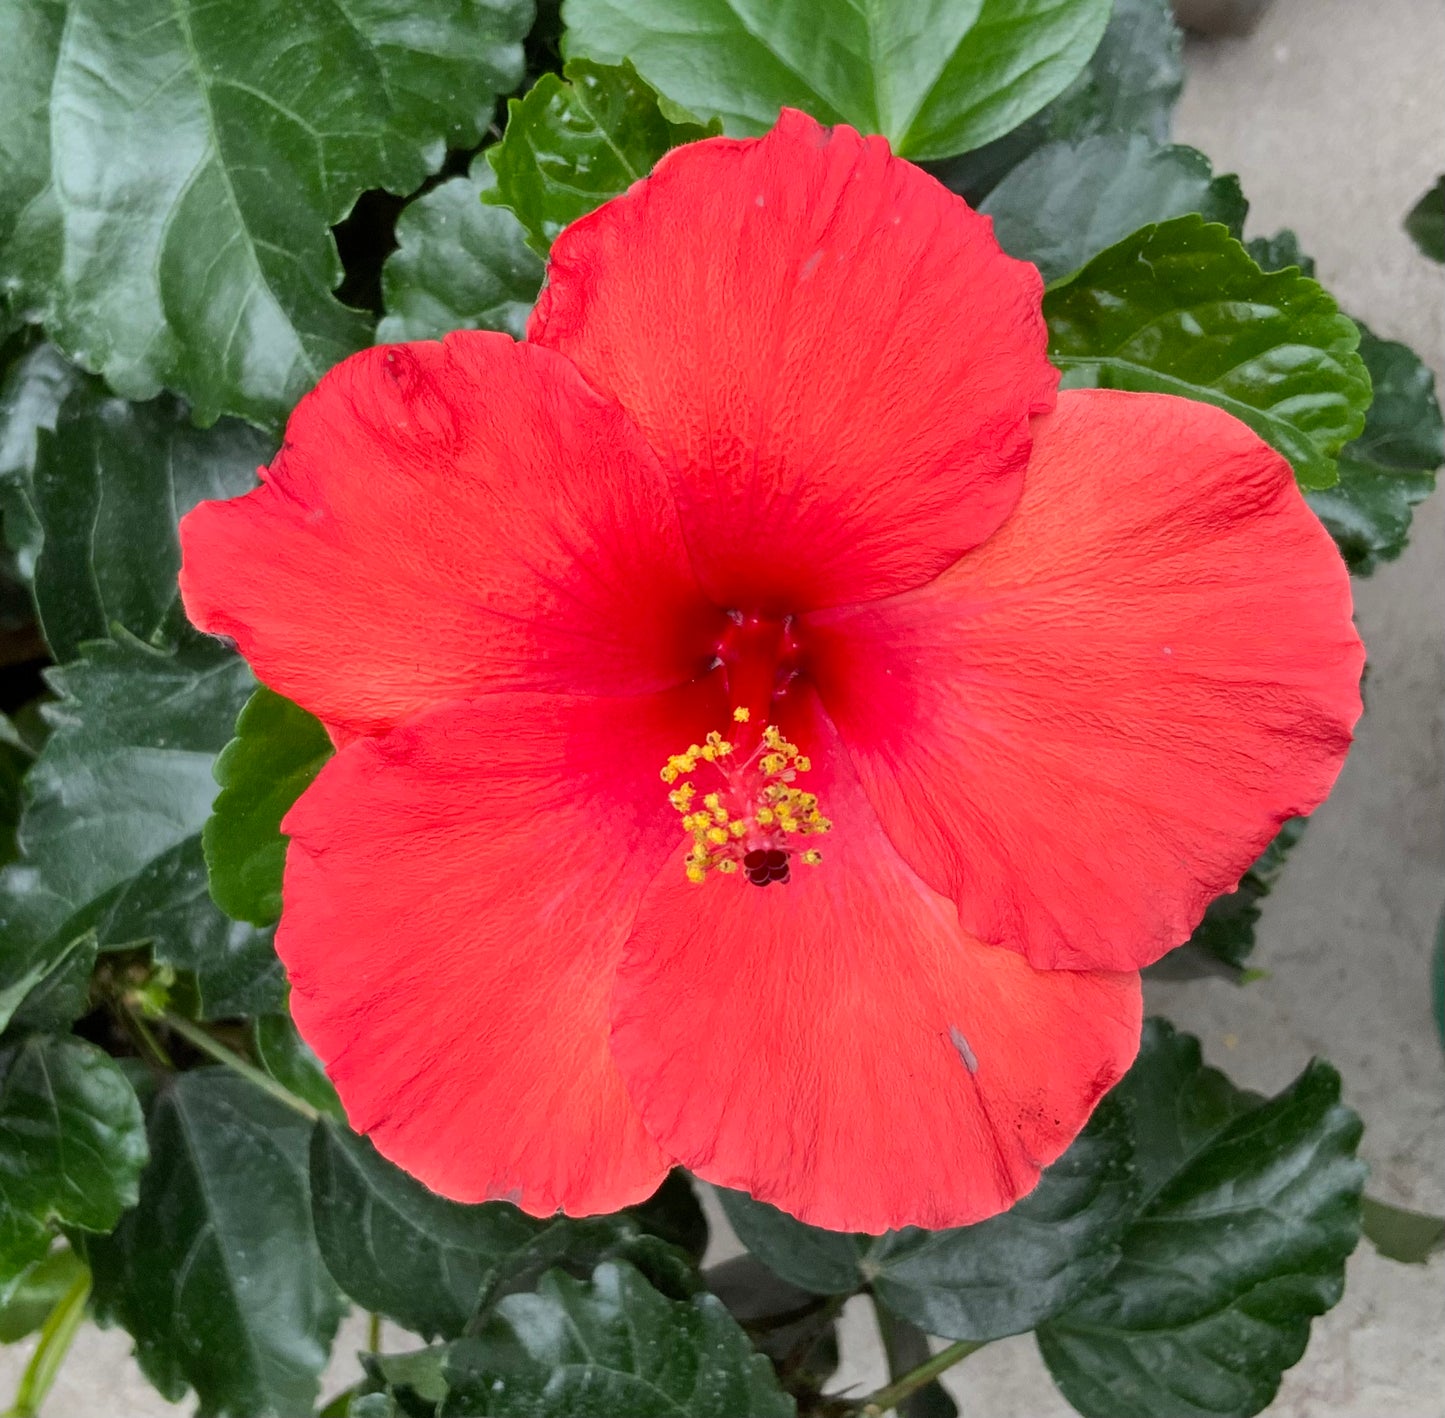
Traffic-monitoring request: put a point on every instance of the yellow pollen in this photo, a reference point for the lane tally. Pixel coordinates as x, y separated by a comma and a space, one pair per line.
741, 715
747, 822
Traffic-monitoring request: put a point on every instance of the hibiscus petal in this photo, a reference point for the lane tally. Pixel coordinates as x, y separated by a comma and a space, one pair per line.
826, 347
838, 1047
1093, 725
456, 897
446, 519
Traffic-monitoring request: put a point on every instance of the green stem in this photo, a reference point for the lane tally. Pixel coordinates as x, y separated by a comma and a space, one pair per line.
56, 1336
886, 1399
198, 1038
373, 1333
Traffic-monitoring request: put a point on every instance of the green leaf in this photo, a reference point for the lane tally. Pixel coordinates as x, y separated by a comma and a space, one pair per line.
287, 1057
578, 139
72, 1145
1250, 1209
1179, 308
401, 1384
998, 1277
199, 165
673, 1214
15, 758
1279, 252
117, 799
1390, 468
27, 59
1130, 85
110, 486
935, 78
278, 750
459, 264
1068, 201
1426, 222
36, 1292
609, 1347
216, 1272
1400, 1234
33, 389
398, 1249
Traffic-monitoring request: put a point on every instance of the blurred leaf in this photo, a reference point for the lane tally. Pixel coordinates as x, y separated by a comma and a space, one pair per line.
278, 750
1410, 1237
906, 1347
1068, 201
1179, 308
1279, 252
72, 1145
15, 758
1001, 1276
412, 1383
459, 264
1224, 939
110, 485
1250, 1208
1426, 222
613, 1346
287, 1057
1390, 468
36, 1292
200, 162
216, 1272
935, 78
1130, 85
576, 140
673, 1213
111, 833
31, 393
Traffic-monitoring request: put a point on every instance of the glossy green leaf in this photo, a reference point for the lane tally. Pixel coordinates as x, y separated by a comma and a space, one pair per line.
1426, 222
399, 1249
117, 799
1390, 468
278, 750
1068, 201
1400, 1234
1179, 308
32, 31
110, 485
31, 393
935, 78
287, 1057
216, 1272
199, 163
72, 1145
1001, 1276
1250, 1210
611, 1346
459, 264
401, 1385
577, 139
1130, 85
36, 1292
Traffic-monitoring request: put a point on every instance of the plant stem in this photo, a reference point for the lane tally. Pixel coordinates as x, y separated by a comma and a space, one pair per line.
886, 1399
198, 1038
373, 1333
56, 1336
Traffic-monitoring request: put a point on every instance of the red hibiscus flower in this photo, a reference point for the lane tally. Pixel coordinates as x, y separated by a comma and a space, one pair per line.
775, 728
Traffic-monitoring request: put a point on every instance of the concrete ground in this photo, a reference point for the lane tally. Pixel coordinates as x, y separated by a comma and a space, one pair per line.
1332, 114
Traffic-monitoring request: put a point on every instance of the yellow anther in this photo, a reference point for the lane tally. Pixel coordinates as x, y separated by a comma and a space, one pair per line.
765, 816
681, 798
727, 866
811, 857
737, 827
718, 835
696, 873
670, 773
772, 737
741, 715
709, 754
801, 762
773, 763
712, 802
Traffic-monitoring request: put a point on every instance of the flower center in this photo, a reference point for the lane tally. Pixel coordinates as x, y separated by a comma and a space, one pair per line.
749, 814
